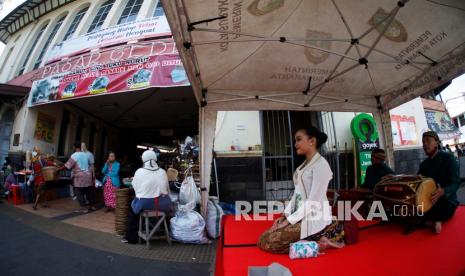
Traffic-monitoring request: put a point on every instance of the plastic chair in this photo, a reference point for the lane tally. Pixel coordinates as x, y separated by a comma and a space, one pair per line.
15, 195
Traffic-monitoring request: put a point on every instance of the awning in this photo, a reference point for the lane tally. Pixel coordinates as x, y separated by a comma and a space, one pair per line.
13, 90
318, 54
331, 55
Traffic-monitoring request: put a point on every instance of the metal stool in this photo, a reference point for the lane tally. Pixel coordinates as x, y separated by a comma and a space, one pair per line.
160, 218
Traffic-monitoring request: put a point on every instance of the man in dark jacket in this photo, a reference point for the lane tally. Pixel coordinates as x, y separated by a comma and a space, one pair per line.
443, 168
377, 169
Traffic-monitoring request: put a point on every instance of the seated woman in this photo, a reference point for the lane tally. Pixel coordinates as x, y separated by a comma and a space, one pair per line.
111, 181
10, 179
151, 187
308, 214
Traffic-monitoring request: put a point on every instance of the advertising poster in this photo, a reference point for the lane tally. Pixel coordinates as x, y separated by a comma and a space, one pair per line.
45, 128
150, 27
123, 69
404, 131
441, 123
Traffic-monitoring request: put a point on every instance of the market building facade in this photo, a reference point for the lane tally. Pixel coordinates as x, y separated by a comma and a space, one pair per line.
106, 73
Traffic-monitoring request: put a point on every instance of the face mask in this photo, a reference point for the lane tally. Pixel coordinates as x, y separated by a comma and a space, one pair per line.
34, 154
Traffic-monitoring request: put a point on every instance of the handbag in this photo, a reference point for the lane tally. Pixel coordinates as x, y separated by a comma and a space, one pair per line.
303, 249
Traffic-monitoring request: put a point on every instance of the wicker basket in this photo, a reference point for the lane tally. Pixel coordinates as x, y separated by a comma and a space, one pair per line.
124, 197
49, 173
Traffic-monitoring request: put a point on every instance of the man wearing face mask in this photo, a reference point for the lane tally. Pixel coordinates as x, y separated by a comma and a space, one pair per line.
443, 168
151, 188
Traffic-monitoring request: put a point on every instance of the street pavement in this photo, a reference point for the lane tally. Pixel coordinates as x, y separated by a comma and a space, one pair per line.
28, 251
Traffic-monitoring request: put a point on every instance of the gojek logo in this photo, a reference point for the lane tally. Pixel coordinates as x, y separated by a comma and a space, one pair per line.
366, 137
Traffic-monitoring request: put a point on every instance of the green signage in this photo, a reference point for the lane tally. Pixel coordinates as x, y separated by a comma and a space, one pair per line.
365, 132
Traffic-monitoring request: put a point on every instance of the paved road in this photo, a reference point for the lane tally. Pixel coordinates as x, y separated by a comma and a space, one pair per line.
27, 251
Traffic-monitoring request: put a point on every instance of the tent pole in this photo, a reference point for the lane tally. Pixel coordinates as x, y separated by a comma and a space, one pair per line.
383, 120
207, 135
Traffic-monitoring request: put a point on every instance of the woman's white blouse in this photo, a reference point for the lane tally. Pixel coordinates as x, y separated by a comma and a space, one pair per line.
311, 184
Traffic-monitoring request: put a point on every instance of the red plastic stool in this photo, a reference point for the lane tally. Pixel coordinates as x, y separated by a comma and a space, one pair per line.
15, 195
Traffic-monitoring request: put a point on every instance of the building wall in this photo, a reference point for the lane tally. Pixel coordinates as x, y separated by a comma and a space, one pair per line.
15, 53
237, 128
21, 42
26, 123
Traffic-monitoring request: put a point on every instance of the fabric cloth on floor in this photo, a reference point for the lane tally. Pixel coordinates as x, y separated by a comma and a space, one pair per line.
278, 241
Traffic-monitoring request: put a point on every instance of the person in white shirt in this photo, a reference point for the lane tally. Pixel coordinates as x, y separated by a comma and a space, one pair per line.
151, 188
308, 214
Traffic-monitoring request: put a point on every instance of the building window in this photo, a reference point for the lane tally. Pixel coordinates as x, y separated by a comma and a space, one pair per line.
101, 16
34, 43
130, 11
158, 10
5, 61
462, 120
49, 40
77, 19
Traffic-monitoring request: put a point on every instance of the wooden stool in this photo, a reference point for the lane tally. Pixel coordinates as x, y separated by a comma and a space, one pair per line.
148, 233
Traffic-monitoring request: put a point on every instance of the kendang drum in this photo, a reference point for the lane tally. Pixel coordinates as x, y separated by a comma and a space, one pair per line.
411, 193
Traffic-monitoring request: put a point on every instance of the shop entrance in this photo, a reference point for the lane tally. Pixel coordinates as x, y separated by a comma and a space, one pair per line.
130, 122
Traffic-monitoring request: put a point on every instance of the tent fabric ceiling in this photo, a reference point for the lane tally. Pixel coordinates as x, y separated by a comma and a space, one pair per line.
327, 55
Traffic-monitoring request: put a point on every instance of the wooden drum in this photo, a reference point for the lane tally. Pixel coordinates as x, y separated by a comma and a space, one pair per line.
406, 190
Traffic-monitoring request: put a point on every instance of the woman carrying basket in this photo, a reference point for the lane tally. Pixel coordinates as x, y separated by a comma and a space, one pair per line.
38, 162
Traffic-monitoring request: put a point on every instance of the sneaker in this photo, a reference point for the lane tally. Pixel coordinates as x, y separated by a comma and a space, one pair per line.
74, 197
123, 240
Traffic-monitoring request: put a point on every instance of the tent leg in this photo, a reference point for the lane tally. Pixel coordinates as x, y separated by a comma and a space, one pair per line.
383, 120
207, 135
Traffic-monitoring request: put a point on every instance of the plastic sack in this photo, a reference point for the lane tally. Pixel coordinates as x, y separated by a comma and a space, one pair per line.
188, 226
189, 192
98, 183
214, 214
303, 249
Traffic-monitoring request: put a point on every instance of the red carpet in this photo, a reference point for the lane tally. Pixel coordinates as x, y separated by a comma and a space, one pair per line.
381, 250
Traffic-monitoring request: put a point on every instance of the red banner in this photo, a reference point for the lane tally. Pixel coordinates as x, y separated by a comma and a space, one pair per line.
121, 69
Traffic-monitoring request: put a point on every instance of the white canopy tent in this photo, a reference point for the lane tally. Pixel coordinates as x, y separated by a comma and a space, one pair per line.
331, 55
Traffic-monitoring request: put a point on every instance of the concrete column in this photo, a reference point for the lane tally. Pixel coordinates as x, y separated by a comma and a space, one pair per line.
88, 18
147, 8
115, 13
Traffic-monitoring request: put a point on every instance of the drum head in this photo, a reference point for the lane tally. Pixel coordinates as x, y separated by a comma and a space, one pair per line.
424, 191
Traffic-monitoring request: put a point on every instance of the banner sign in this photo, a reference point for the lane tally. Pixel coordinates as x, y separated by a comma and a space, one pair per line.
151, 27
404, 130
440, 123
126, 68
45, 128
365, 132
